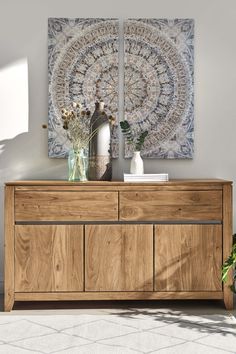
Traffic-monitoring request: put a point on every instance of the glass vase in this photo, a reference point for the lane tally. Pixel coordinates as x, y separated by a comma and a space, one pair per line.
78, 165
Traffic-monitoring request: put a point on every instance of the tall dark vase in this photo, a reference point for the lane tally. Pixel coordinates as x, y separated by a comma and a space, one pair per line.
100, 167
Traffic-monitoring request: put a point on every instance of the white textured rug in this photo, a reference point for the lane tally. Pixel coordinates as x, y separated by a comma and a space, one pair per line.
118, 331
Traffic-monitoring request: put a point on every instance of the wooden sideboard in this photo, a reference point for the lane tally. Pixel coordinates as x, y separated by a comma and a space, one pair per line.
115, 240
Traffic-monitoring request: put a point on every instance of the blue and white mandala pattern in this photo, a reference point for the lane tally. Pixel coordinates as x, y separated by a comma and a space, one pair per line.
159, 85
82, 66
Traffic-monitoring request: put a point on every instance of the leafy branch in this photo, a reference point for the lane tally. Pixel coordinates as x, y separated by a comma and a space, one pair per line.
129, 136
126, 130
140, 140
230, 263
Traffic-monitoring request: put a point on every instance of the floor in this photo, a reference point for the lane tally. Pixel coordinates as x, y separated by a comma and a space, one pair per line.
165, 327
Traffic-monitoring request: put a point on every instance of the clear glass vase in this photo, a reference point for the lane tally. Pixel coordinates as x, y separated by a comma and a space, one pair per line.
78, 165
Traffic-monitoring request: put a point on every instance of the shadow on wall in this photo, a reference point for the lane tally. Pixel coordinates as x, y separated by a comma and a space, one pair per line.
14, 99
23, 144
14, 116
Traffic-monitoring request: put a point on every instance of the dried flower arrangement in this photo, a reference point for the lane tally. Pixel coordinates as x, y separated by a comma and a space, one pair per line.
77, 124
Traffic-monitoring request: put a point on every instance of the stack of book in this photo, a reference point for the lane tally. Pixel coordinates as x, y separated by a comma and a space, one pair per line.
147, 177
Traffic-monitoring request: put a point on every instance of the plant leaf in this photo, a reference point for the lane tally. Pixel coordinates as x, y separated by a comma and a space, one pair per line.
230, 263
126, 130
140, 140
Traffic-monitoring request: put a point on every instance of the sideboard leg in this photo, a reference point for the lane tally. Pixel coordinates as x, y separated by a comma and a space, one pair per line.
8, 301
227, 242
9, 266
228, 301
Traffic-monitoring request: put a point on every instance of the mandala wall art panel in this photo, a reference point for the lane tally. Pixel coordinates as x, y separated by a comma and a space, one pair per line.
82, 67
159, 57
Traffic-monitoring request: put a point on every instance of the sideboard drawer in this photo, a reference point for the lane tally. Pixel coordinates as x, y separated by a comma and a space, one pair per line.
66, 206
171, 205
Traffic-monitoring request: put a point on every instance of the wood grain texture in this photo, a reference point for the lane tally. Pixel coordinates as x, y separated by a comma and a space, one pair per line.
66, 206
119, 295
227, 242
188, 257
118, 258
48, 258
9, 249
123, 186
166, 205
178, 182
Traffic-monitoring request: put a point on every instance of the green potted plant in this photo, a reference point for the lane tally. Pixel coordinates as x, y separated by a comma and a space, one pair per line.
230, 264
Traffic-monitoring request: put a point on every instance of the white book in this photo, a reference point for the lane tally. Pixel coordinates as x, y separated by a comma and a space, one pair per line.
147, 177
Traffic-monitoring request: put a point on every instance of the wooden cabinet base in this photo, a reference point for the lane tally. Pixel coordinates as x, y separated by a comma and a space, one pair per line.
117, 241
120, 295
117, 295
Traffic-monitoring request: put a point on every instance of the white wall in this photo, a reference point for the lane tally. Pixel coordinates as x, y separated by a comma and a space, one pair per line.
23, 39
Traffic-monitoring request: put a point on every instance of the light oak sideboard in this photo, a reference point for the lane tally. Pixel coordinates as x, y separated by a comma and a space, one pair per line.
116, 240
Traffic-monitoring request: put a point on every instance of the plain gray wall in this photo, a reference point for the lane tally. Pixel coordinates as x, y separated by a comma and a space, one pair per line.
23, 35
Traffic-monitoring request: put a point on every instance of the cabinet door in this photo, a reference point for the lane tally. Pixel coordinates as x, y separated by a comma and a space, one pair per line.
119, 258
188, 257
48, 258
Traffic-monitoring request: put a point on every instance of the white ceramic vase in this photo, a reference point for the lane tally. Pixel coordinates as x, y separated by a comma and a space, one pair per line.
136, 164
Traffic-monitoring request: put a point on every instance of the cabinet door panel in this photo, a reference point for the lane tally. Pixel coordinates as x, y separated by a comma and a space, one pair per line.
188, 257
48, 258
119, 258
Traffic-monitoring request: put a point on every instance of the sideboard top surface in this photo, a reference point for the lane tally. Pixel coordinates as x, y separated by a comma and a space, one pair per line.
173, 182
